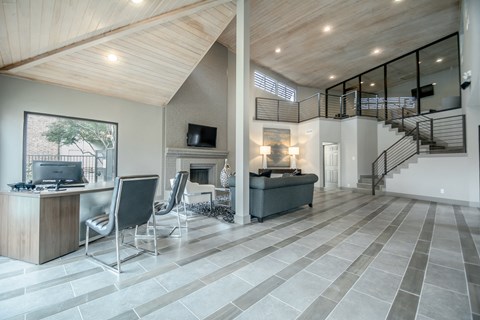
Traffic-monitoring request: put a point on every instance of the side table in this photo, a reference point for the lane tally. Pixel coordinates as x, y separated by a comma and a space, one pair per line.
227, 192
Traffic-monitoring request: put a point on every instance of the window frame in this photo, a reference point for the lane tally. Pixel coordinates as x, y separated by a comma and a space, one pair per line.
260, 81
25, 135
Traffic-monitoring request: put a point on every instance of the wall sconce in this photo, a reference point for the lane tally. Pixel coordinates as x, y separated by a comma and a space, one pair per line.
294, 151
264, 151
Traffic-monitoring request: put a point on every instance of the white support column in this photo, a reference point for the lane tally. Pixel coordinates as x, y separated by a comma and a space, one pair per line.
242, 135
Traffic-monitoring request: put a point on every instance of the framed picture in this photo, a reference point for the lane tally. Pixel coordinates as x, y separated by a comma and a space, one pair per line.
279, 141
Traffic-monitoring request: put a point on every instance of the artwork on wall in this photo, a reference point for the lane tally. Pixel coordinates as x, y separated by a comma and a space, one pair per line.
279, 141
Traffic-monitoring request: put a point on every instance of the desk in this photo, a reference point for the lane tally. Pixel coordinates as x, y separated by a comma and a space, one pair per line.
40, 226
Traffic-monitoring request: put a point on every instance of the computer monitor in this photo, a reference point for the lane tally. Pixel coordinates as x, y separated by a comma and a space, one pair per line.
56, 172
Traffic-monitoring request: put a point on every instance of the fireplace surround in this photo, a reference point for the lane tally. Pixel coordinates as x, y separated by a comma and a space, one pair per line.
185, 159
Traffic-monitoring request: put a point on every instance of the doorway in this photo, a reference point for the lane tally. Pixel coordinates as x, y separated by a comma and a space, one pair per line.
331, 165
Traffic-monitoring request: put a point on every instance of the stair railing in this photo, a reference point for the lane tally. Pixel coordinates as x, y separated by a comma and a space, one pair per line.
443, 135
395, 155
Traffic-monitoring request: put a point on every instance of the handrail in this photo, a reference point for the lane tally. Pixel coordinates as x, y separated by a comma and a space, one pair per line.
314, 106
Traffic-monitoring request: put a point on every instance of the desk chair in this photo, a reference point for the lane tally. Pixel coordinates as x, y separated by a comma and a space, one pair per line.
131, 206
174, 200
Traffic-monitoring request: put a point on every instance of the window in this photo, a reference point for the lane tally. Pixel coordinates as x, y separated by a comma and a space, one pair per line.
56, 138
272, 86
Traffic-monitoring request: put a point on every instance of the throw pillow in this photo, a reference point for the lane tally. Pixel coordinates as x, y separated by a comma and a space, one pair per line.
266, 173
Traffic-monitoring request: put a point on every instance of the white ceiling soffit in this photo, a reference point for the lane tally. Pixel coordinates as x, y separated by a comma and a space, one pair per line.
157, 44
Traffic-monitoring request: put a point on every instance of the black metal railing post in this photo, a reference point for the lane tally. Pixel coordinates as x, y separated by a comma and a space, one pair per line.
326, 106
278, 110
373, 178
298, 112
431, 130
418, 137
385, 164
403, 117
464, 133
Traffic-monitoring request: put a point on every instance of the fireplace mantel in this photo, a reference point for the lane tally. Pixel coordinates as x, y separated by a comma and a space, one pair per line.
195, 153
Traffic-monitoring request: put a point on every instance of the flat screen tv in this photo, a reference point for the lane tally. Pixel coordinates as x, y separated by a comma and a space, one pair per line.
425, 91
201, 136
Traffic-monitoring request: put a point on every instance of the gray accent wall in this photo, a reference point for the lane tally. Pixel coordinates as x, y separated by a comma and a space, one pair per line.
202, 99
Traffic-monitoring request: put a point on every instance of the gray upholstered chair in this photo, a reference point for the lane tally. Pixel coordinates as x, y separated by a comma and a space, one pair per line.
131, 206
174, 200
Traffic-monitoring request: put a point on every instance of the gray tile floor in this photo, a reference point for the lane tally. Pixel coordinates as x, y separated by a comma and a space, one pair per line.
351, 256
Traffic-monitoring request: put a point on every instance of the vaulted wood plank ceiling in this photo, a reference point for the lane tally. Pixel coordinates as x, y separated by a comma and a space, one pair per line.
309, 55
158, 43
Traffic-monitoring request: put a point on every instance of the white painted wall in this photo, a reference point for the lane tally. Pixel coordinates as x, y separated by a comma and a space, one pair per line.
470, 51
366, 144
386, 136
140, 126
309, 142
430, 174
348, 154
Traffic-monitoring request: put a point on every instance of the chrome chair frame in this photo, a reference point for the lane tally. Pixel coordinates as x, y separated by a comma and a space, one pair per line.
105, 225
173, 202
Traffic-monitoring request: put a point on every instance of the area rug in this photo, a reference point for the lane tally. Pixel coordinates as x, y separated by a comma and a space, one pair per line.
221, 212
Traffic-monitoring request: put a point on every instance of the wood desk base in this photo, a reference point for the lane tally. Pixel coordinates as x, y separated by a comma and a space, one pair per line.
38, 229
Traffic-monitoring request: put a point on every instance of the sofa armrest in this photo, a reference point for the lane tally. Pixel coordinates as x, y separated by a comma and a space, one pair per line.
272, 183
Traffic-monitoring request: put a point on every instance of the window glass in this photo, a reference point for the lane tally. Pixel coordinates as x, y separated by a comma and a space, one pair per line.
334, 96
372, 96
351, 98
439, 76
56, 138
401, 79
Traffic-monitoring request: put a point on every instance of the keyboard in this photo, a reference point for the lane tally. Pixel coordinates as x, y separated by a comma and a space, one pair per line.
63, 186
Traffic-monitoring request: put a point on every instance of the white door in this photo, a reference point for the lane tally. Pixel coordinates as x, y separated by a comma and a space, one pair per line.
330, 161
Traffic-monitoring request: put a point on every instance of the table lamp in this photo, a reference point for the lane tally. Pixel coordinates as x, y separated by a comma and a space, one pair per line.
264, 151
293, 151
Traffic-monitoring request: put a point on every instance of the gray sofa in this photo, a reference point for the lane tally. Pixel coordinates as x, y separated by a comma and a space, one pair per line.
273, 195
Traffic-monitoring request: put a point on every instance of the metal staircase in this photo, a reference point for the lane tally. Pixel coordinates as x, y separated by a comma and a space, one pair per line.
422, 135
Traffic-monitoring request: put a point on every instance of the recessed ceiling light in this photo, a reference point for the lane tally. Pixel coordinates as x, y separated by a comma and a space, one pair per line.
278, 50
397, 0
137, 1
361, 82
434, 84
112, 58
327, 28
372, 84
439, 60
332, 77
376, 51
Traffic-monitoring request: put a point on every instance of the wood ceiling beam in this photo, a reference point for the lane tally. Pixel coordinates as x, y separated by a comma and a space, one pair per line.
112, 34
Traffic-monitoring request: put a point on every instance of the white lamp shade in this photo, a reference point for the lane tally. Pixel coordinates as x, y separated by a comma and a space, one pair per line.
293, 151
265, 150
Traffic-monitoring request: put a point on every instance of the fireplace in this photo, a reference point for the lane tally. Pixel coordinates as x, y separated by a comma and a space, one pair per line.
203, 164
199, 175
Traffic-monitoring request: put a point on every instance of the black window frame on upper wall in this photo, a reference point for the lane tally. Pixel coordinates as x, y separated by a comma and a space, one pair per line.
418, 78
